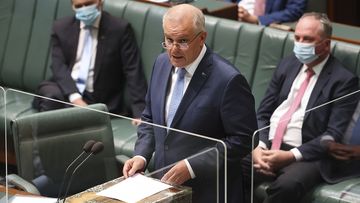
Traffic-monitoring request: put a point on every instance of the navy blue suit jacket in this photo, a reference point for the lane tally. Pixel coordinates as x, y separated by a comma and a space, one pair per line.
217, 104
334, 81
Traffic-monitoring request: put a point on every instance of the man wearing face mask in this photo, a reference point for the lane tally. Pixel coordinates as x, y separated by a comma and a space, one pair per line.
289, 149
94, 56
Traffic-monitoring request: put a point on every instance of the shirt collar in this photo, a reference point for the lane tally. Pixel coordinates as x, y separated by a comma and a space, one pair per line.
191, 68
317, 69
94, 25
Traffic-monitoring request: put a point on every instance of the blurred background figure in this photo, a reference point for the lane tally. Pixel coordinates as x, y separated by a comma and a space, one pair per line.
265, 12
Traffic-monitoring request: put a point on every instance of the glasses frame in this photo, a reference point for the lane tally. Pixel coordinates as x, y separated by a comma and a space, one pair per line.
180, 45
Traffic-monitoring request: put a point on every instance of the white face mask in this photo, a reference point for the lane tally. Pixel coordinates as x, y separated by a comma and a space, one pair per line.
305, 52
87, 14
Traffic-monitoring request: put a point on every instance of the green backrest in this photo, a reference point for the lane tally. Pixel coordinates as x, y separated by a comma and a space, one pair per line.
6, 10
270, 52
60, 135
254, 50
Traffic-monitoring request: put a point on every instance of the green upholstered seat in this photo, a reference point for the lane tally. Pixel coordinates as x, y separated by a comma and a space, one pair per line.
57, 137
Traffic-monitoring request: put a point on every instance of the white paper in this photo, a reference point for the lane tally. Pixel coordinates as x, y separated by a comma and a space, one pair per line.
134, 188
31, 199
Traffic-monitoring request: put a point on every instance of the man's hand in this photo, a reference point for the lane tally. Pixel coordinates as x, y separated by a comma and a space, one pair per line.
177, 175
244, 15
343, 151
259, 163
79, 102
278, 159
133, 165
136, 121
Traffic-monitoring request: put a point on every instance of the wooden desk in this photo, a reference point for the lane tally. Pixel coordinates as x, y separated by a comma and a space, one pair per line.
174, 195
220, 9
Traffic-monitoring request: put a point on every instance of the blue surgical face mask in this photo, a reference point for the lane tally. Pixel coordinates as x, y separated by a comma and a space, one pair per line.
87, 14
305, 52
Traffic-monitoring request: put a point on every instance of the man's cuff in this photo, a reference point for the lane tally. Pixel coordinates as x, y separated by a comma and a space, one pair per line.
297, 154
192, 174
74, 96
262, 145
141, 158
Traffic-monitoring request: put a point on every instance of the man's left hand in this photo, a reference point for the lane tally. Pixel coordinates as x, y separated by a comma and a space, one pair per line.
177, 175
278, 159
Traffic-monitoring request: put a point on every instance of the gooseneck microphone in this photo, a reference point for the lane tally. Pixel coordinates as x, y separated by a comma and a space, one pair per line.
86, 149
96, 148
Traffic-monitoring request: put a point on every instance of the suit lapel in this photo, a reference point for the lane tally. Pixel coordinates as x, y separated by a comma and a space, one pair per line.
201, 74
103, 30
163, 89
293, 72
73, 36
321, 82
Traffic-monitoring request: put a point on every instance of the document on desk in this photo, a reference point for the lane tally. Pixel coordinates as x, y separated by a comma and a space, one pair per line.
134, 189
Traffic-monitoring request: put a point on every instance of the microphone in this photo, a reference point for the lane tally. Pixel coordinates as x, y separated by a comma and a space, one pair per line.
324, 141
86, 149
95, 149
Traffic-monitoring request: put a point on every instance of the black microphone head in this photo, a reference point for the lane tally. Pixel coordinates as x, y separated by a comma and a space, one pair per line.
88, 146
98, 147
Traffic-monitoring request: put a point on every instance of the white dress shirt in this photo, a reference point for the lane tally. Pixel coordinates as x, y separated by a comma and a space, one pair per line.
76, 68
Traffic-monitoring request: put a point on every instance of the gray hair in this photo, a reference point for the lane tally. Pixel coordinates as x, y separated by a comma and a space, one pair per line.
198, 18
324, 20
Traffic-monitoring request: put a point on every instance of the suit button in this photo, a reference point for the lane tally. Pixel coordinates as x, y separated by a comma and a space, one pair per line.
166, 147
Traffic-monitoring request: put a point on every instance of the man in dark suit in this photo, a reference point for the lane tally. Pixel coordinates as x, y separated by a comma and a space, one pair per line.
113, 63
216, 103
289, 148
274, 11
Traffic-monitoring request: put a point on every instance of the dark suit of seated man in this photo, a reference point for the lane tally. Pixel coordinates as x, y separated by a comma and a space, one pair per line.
94, 56
215, 101
344, 157
289, 149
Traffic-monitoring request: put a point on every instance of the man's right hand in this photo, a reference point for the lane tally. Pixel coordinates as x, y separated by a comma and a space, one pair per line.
259, 164
79, 102
133, 165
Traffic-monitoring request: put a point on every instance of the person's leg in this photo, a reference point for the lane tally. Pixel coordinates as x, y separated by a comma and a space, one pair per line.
257, 180
293, 182
50, 90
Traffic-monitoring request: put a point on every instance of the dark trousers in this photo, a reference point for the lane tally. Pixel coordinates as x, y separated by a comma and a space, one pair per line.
290, 184
52, 90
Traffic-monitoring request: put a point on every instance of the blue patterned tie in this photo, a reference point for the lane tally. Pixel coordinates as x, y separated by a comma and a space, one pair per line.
177, 95
85, 60
355, 137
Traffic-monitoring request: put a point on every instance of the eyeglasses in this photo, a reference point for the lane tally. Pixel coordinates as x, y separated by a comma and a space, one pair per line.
182, 44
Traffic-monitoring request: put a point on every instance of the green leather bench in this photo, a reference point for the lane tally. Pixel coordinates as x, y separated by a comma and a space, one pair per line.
255, 50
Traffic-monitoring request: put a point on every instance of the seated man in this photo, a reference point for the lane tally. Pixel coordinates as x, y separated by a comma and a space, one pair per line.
289, 149
265, 12
344, 157
93, 56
